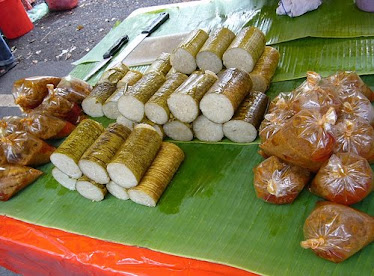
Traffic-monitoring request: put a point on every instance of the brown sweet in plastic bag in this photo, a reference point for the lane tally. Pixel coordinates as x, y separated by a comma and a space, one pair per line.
278, 182
282, 103
30, 92
23, 148
357, 105
10, 124
305, 140
273, 122
355, 136
73, 89
2, 157
335, 232
346, 179
14, 178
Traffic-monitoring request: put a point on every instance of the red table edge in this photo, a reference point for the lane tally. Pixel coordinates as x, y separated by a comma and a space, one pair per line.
31, 249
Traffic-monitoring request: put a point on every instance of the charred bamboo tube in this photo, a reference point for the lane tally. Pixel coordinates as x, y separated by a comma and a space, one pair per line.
184, 102
90, 189
225, 96
245, 49
117, 191
65, 180
135, 156
94, 161
210, 55
67, 155
156, 109
114, 74
206, 130
93, 104
158, 176
125, 122
131, 104
161, 64
183, 57
130, 78
157, 127
110, 107
178, 130
264, 69
242, 128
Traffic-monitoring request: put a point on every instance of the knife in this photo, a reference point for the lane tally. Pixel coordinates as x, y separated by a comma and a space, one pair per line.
160, 19
108, 55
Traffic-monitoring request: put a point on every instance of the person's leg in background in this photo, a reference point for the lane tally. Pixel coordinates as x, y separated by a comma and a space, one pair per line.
7, 60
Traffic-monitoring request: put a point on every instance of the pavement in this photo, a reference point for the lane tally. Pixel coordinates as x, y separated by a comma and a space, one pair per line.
60, 38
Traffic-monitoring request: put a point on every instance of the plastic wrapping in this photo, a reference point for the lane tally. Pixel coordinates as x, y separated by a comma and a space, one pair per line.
278, 182
346, 179
73, 89
305, 140
356, 105
282, 102
30, 92
272, 123
10, 124
23, 148
355, 136
335, 232
35, 250
14, 178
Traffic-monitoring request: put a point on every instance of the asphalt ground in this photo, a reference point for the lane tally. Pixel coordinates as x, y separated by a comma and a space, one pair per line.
60, 38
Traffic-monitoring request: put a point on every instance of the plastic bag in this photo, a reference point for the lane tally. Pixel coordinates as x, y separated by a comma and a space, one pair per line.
30, 92
282, 102
335, 232
355, 136
73, 89
357, 105
273, 122
23, 148
277, 182
346, 179
305, 140
14, 178
10, 124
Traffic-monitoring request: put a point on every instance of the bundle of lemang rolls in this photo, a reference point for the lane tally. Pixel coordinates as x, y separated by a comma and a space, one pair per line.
317, 128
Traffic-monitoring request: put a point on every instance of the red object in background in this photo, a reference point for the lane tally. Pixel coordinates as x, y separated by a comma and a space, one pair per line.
14, 21
60, 5
35, 250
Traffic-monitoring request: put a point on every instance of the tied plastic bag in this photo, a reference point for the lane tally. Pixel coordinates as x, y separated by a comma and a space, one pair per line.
305, 140
277, 182
23, 148
335, 232
346, 179
355, 136
282, 103
294, 8
14, 178
30, 92
356, 105
73, 89
273, 122
10, 124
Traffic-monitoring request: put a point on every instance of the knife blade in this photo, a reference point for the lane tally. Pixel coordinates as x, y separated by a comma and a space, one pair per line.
156, 23
108, 55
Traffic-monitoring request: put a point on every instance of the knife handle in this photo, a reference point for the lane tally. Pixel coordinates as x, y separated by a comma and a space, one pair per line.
116, 46
161, 18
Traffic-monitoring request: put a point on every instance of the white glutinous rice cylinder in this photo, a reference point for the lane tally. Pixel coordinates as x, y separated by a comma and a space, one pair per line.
178, 130
65, 180
117, 191
90, 189
206, 130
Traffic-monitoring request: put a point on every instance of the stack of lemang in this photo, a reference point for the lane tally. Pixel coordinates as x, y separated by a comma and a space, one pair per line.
94, 160
325, 127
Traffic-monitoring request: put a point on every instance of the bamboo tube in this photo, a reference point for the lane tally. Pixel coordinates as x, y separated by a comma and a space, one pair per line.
206, 130
158, 176
245, 49
67, 155
135, 156
225, 96
178, 130
117, 191
130, 78
110, 107
184, 102
264, 69
210, 55
131, 104
63, 179
161, 64
114, 74
242, 128
183, 57
156, 109
95, 159
93, 104
90, 189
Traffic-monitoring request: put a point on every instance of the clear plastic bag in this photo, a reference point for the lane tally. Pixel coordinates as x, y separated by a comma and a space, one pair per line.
278, 182
23, 148
273, 122
346, 179
335, 232
10, 124
282, 103
30, 92
73, 89
356, 105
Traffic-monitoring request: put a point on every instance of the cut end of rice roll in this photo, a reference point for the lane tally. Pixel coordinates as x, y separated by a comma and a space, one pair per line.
110, 110
66, 164
178, 130
238, 58
125, 122
240, 131
217, 108
206, 130
130, 107
90, 190
117, 191
183, 107
155, 126
209, 61
118, 172
94, 171
92, 107
141, 197
65, 180
183, 61
156, 113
